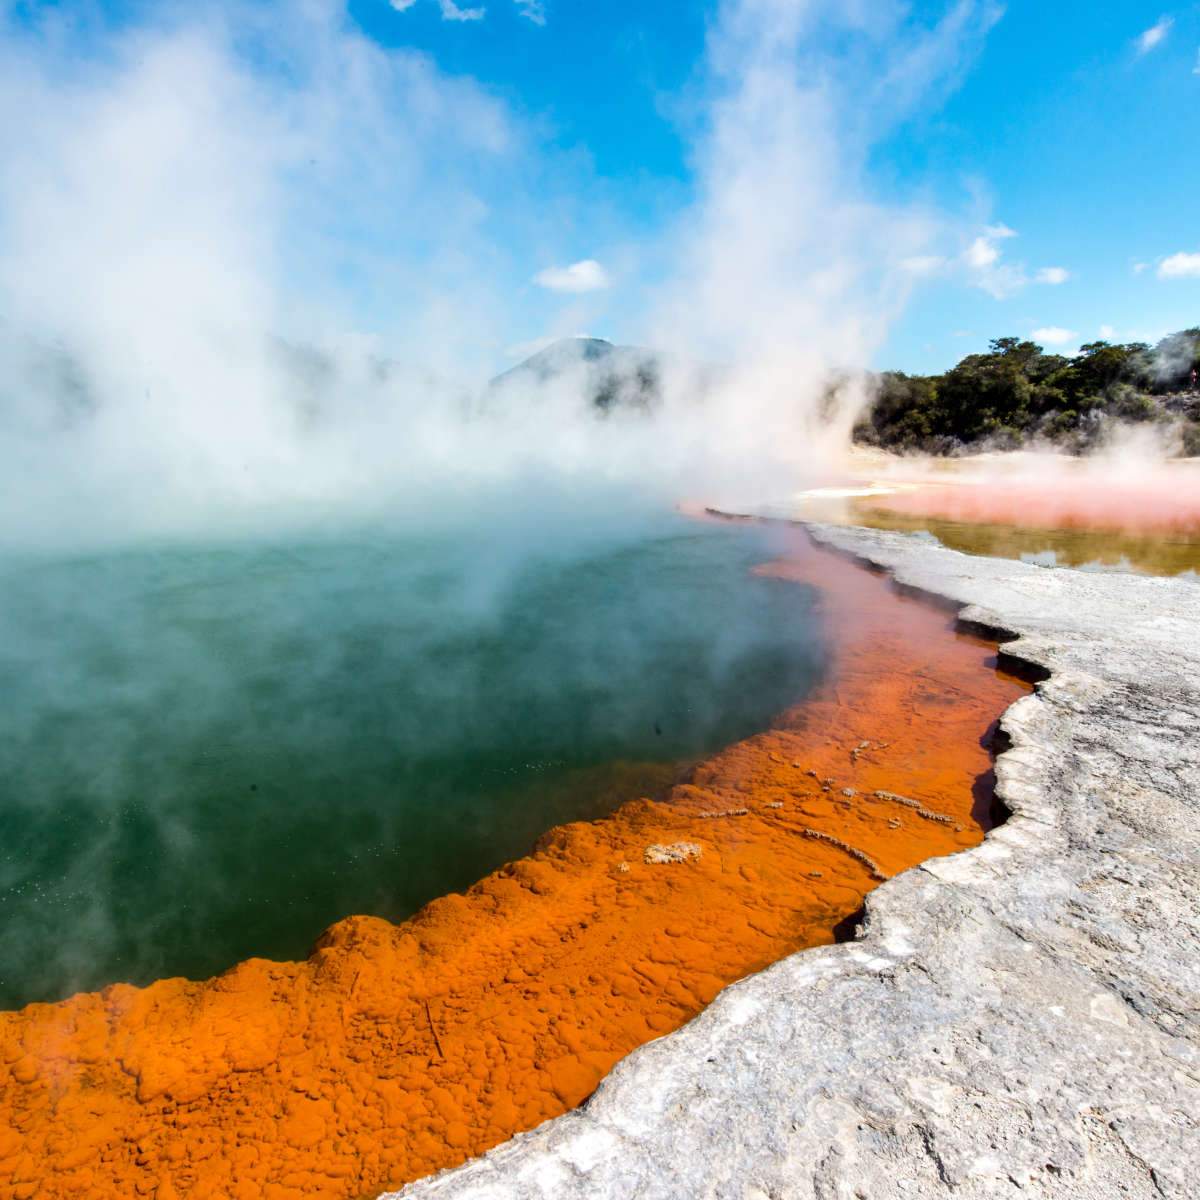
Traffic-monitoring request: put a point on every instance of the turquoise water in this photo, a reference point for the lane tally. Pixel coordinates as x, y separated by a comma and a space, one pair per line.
213, 752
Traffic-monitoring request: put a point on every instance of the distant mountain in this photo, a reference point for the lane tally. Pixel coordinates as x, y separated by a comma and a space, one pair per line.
607, 376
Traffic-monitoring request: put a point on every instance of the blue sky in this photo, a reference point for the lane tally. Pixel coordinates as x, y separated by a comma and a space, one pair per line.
1081, 138
514, 170
1074, 127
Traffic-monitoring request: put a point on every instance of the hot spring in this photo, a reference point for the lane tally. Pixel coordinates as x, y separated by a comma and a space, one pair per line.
212, 751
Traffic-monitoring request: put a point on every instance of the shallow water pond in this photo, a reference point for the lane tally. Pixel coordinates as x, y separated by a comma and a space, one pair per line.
1087, 548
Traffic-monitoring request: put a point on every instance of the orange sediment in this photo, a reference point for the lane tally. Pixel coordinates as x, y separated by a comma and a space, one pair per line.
395, 1050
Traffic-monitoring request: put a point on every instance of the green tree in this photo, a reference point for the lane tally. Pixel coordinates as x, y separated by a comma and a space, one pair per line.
988, 394
905, 413
1016, 390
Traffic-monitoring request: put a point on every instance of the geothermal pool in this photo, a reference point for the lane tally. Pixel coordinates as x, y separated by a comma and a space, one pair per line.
397, 1049
1086, 549
211, 752
1065, 513
1090, 523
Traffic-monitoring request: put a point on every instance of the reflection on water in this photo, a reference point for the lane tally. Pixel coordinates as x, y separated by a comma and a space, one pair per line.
1084, 548
213, 752
1087, 549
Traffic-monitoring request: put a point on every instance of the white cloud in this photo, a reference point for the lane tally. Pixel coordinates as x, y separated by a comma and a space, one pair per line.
1154, 36
1053, 275
982, 259
451, 12
1139, 267
1180, 266
532, 10
1196, 68
584, 276
1107, 332
1054, 335
981, 253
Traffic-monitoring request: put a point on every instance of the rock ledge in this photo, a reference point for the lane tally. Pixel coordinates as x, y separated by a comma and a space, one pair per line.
1019, 1019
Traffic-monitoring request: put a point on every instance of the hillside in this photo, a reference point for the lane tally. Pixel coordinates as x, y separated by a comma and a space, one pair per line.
1018, 395
608, 375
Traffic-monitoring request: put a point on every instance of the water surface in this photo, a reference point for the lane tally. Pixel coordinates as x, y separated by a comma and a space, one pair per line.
209, 752
1094, 549
1161, 553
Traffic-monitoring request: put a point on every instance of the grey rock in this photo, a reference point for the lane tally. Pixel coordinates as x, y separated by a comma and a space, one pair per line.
1017, 1020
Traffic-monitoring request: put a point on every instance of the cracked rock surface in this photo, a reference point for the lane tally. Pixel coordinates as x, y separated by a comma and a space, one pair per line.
1022, 1019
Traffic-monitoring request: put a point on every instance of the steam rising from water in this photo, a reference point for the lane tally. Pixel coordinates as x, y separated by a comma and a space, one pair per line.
254, 271
1124, 487
222, 750
192, 205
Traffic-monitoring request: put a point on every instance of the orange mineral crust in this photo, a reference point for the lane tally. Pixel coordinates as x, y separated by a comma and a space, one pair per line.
395, 1050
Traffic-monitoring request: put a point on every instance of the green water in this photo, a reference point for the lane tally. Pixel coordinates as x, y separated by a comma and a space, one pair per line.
208, 753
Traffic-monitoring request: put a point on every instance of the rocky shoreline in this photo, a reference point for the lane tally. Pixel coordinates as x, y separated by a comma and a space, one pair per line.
1018, 1019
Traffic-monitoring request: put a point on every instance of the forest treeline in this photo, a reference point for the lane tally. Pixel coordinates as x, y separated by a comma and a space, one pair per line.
1016, 394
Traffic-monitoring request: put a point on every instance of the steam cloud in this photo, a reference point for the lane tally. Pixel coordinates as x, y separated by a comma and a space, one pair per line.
253, 267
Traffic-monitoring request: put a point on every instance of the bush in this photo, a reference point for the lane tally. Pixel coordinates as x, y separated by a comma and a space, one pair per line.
1016, 391
1126, 403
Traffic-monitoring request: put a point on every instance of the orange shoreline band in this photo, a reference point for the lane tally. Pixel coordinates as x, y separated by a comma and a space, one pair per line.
396, 1050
